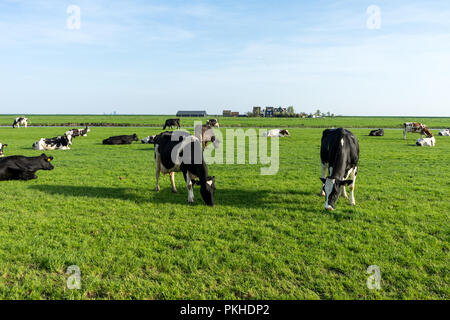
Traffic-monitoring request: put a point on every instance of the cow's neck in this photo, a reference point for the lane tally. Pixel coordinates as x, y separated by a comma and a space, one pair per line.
339, 165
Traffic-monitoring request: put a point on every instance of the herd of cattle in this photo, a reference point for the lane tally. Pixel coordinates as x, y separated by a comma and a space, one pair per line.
179, 151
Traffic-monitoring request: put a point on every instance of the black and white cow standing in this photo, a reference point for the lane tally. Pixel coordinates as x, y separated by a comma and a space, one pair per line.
1, 149
23, 168
339, 153
20, 121
57, 143
172, 123
179, 151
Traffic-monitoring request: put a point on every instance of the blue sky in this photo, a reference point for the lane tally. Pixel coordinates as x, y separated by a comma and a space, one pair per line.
157, 57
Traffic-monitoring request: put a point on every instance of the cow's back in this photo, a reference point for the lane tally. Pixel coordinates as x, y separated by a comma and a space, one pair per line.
337, 141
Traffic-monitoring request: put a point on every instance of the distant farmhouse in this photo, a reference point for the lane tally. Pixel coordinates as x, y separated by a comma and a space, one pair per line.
229, 113
192, 114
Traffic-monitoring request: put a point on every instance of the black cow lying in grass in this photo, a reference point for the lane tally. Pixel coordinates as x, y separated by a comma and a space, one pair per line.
179, 151
1, 149
23, 168
377, 133
121, 139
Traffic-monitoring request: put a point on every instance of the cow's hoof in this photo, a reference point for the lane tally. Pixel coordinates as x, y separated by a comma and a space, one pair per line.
157, 189
323, 194
353, 203
175, 191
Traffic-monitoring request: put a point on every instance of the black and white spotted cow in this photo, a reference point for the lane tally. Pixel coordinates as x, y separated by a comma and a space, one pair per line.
20, 121
124, 139
23, 168
339, 153
445, 133
149, 140
426, 142
57, 143
377, 133
212, 123
1, 149
206, 134
78, 132
179, 151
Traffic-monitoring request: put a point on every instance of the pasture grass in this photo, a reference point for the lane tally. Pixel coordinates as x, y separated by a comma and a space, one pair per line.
158, 121
267, 238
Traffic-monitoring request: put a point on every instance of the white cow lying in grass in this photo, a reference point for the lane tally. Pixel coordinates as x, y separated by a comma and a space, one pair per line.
426, 142
445, 133
276, 133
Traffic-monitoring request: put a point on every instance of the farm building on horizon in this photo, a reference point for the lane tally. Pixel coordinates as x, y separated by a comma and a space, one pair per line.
192, 114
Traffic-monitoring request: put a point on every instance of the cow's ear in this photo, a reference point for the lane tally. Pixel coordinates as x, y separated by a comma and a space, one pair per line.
345, 182
49, 159
5, 145
323, 180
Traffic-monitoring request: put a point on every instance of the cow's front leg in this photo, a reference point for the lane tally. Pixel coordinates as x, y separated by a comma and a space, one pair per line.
352, 187
190, 187
344, 192
323, 176
172, 181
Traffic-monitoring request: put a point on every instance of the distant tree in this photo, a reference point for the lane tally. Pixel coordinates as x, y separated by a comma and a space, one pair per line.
328, 114
317, 114
290, 110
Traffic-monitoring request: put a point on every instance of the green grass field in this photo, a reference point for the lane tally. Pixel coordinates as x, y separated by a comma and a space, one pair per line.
267, 238
158, 121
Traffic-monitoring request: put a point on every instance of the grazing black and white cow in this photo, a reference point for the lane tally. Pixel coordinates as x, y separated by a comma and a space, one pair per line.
20, 121
179, 151
339, 153
212, 123
377, 133
172, 123
1, 149
23, 168
416, 127
206, 135
78, 132
57, 143
121, 139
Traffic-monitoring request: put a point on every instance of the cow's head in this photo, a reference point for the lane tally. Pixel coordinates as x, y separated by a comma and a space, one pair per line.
213, 123
427, 132
284, 133
333, 188
135, 137
207, 190
45, 162
1, 149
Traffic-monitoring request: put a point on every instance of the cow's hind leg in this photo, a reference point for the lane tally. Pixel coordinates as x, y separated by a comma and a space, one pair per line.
157, 172
172, 181
190, 187
352, 186
323, 176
